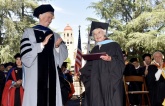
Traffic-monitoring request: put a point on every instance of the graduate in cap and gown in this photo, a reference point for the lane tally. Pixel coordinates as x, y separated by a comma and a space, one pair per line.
68, 76
42, 51
146, 62
102, 77
66, 83
129, 67
13, 90
156, 80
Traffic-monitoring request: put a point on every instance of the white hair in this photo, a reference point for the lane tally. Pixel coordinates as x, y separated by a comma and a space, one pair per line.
158, 52
102, 30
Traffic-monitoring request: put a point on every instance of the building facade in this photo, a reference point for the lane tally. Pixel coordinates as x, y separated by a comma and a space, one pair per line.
68, 38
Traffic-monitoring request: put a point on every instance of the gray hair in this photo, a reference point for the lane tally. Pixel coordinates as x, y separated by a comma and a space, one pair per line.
158, 52
102, 30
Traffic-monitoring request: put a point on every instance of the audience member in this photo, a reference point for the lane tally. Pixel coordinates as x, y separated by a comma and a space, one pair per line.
156, 79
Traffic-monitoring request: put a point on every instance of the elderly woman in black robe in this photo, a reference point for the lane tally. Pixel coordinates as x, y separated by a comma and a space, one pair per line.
102, 77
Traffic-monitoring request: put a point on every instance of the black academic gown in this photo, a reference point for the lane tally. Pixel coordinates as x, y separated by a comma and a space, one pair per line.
2, 83
103, 79
65, 87
156, 88
133, 86
129, 70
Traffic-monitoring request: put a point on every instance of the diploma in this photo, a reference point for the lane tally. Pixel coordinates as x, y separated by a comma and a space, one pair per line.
93, 56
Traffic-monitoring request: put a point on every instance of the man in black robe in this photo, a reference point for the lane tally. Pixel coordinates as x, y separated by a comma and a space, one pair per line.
128, 71
146, 62
102, 78
156, 80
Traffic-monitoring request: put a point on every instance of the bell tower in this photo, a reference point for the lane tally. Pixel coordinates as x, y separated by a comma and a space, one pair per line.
69, 41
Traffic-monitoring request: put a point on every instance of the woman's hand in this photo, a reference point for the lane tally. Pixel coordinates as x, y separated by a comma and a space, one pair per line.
18, 84
106, 57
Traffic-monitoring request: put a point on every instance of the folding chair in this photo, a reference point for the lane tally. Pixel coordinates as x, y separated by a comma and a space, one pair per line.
143, 91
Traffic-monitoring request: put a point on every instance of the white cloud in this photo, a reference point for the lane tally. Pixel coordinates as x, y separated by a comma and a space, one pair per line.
58, 9
61, 10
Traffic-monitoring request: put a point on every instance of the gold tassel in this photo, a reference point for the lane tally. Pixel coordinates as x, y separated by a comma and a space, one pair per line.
163, 74
163, 103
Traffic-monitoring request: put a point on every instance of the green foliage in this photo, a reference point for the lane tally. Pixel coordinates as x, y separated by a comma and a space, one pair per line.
15, 16
69, 63
137, 25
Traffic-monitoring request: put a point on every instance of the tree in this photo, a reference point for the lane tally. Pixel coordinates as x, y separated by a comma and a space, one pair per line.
69, 63
15, 15
137, 25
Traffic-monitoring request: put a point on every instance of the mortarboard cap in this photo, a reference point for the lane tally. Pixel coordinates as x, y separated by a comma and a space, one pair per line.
145, 55
133, 60
42, 9
101, 25
17, 55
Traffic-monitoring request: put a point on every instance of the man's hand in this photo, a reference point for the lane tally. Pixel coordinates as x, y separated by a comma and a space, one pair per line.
146, 72
161, 64
58, 42
46, 39
145, 64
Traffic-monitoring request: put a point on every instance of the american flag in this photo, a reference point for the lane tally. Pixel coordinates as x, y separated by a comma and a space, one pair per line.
78, 60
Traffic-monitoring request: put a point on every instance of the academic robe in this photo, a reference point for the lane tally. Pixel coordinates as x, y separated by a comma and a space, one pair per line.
68, 76
13, 96
132, 86
129, 69
2, 83
156, 88
65, 87
103, 79
41, 80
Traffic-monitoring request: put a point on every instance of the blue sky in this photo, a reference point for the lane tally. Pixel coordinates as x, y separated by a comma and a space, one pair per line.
74, 13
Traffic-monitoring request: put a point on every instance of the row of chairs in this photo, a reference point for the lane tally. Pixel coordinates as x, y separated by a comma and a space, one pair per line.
143, 91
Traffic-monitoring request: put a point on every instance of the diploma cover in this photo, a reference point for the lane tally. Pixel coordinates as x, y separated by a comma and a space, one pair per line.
93, 56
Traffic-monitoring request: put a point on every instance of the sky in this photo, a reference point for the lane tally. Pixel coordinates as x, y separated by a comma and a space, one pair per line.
74, 13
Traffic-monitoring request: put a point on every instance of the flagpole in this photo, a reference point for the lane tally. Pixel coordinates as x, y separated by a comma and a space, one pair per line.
80, 91
88, 44
80, 79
